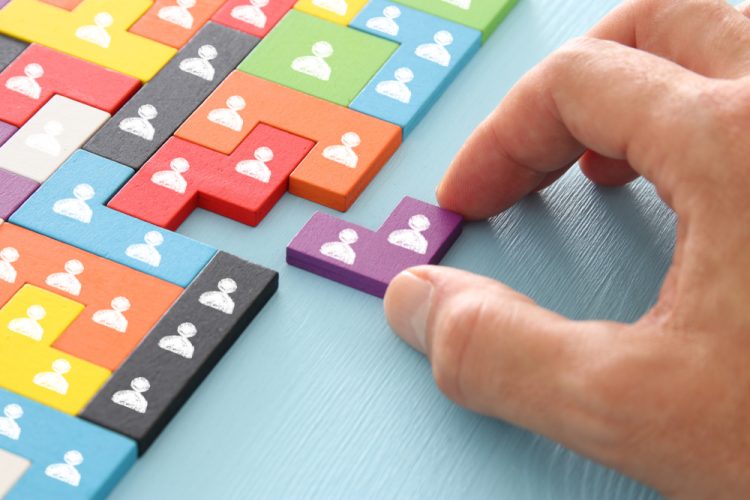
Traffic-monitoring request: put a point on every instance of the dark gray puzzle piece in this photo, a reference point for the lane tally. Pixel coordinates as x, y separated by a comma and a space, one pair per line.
174, 92
10, 48
173, 368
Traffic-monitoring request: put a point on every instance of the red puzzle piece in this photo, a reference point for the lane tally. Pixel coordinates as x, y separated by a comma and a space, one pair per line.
243, 186
40, 72
256, 17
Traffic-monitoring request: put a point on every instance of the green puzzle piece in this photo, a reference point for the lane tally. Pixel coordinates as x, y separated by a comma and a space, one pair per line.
287, 56
483, 15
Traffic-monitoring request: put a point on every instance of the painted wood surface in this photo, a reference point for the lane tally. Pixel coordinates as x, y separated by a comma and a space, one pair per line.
319, 399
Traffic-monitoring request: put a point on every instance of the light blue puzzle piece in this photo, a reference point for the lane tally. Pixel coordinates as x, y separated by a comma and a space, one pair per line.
70, 207
432, 52
70, 458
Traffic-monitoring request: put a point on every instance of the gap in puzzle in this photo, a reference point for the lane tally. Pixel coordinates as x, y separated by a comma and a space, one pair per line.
118, 119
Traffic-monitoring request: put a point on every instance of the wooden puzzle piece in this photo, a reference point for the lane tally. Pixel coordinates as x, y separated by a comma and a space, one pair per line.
48, 375
50, 137
141, 126
10, 48
482, 15
319, 58
431, 53
14, 190
96, 31
64, 4
69, 207
6, 132
335, 11
415, 233
350, 149
70, 458
121, 304
40, 72
174, 22
12, 469
243, 186
37, 314
255, 17
145, 393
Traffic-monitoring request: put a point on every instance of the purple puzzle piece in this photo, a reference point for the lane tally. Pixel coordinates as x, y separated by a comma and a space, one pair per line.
14, 189
6, 130
415, 233
3, 3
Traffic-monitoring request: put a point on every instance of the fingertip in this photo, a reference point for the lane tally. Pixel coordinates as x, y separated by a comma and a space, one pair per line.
607, 172
407, 305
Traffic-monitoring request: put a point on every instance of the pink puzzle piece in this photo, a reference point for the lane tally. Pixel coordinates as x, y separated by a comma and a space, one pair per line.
416, 233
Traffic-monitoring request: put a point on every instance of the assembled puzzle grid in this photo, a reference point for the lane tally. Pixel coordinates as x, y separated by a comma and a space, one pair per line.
117, 120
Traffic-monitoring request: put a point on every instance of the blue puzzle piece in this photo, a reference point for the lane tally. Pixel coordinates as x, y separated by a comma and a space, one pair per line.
70, 207
70, 458
432, 52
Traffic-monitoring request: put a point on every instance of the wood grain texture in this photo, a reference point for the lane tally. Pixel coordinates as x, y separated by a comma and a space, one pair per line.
319, 399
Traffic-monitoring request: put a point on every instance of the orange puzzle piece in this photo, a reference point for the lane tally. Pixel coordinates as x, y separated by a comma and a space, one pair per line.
350, 148
121, 304
174, 22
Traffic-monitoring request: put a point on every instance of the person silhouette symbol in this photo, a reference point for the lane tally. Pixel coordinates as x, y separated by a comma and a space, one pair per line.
229, 117
397, 89
67, 281
180, 344
97, 33
338, 7
67, 472
76, 208
251, 14
344, 153
133, 398
54, 380
387, 23
46, 141
412, 238
173, 178
315, 65
9, 423
141, 126
114, 318
146, 252
201, 66
27, 85
179, 14
461, 4
342, 250
436, 52
257, 168
29, 326
8, 256
220, 300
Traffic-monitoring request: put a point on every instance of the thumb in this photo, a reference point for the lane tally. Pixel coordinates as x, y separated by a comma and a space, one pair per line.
495, 351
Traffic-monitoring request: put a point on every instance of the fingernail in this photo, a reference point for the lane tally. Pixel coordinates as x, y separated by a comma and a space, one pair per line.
407, 307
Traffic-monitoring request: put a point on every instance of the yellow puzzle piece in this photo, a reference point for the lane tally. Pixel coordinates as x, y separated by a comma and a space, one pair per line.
96, 31
336, 11
37, 315
49, 376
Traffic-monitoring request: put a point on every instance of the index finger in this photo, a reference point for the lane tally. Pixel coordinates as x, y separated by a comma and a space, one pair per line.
591, 94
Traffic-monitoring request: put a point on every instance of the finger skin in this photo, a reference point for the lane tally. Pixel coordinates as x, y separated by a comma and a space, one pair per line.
591, 94
709, 37
606, 171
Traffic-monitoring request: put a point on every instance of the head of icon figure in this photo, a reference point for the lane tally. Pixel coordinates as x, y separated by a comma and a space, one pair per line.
74, 267
36, 312
180, 165
34, 70
207, 52
236, 103
348, 236
9, 254
187, 330
13, 411
228, 285
140, 384
120, 304
103, 20
147, 112
351, 140
263, 154
392, 12
61, 366
83, 192
443, 38
404, 75
322, 49
153, 238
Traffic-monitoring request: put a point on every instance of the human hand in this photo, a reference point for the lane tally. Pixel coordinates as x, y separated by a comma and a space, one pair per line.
660, 89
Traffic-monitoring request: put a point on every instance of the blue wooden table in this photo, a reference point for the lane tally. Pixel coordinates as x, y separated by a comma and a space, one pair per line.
320, 399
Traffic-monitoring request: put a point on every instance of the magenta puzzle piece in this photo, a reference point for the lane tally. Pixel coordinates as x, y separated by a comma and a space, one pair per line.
415, 233
14, 189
